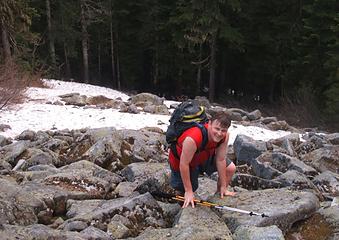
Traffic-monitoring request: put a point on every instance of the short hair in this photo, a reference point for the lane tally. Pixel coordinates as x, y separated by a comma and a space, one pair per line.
222, 117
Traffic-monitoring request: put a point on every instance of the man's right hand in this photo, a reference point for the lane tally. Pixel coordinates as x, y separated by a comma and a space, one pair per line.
189, 199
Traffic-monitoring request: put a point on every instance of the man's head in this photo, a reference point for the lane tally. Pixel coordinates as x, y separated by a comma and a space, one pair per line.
222, 118
218, 126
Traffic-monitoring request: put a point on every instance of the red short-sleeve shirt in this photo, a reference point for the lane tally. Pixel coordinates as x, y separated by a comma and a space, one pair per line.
199, 157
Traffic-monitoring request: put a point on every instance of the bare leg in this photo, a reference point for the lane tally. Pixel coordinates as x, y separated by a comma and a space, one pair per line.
230, 170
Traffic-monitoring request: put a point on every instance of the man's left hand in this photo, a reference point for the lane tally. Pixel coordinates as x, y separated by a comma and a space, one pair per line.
225, 192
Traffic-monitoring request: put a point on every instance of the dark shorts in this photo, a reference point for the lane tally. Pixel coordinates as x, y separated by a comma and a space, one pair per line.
208, 167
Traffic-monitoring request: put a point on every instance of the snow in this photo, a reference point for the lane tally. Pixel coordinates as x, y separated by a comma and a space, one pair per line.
34, 114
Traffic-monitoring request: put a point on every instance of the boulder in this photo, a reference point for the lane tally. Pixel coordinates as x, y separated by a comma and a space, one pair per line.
327, 182
258, 233
284, 207
143, 99
192, 223
324, 159
247, 149
37, 231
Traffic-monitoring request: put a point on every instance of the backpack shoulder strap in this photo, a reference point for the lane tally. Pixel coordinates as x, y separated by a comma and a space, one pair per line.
204, 137
204, 142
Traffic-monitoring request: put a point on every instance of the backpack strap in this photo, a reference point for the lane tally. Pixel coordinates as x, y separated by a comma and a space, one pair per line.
204, 142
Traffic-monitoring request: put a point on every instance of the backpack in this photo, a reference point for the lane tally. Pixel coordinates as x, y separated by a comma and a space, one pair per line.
188, 114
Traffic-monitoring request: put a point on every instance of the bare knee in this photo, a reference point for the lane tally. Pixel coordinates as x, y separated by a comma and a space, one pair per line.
230, 169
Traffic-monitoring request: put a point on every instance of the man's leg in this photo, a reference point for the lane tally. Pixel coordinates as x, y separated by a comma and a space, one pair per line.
210, 167
230, 170
176, 181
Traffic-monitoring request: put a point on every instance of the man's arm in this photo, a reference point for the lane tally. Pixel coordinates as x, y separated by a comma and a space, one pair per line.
188, 150
220, 156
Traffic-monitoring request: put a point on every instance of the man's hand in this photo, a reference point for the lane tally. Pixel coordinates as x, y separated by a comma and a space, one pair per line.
225, 192
189, 199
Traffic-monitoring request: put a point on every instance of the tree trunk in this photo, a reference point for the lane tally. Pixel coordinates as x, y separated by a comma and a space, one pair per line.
50, 36
156, 65
99, 61
67, 65
211, 90
5, 43
114, 80
198, 81
118, 63
84, 42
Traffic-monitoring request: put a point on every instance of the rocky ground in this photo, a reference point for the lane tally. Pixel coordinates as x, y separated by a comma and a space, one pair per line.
103, 183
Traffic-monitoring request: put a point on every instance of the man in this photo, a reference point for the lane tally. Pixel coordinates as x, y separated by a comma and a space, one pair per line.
185, 171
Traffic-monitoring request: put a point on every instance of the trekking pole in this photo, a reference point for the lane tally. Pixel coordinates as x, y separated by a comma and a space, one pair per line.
209, 204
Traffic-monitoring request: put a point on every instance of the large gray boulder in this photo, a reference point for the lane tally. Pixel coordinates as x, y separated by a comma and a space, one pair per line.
38, 232
199, 223
141, 211
284, 207
324, 159
258, 233
87, 177
247, 149
333, 138
328, 182
331, 215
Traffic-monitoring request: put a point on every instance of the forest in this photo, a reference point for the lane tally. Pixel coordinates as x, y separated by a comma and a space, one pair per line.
281, 54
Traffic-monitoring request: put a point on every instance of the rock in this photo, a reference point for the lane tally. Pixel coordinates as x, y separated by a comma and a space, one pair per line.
125, 189
20, 165
247, 149
11, 152
75, 226
36, 156
324, 159
142, 146
203, 101
283, 162
143, 99
238, 110
117, 230
267, 120
279, 125
327, 182
36, 231
4, 127
86, 177
207, 187
27, 135
258, 233
139, 171
98, 213
4, 141
253, 183
105, 151
191, 224
157, 109
92, 233
284, 207
333, 138
331, 216
262, 166
255, 115
296, 179
74, 99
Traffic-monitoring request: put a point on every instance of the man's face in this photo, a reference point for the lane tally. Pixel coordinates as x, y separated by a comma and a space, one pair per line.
216, 132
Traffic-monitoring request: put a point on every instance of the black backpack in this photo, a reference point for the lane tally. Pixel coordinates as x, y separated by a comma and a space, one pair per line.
187, 115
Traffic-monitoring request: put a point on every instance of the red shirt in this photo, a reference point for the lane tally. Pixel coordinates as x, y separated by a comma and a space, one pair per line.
199, 157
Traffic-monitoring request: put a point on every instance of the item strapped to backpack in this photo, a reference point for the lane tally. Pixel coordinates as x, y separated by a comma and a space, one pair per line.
187, 115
